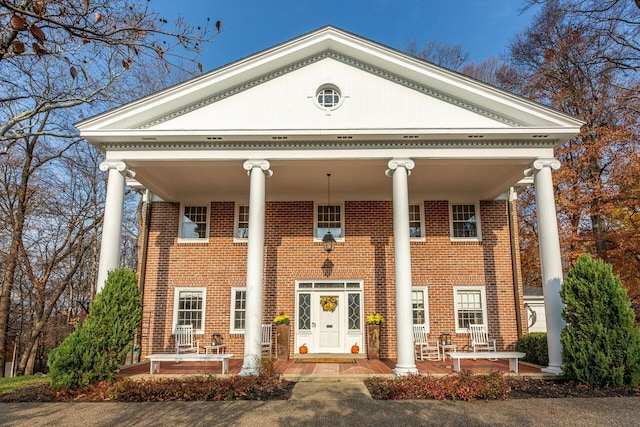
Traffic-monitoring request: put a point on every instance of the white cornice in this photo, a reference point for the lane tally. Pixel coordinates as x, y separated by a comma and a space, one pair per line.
311, 145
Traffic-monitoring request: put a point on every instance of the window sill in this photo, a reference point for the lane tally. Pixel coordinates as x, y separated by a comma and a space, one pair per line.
183, 241
241, 241
466, 241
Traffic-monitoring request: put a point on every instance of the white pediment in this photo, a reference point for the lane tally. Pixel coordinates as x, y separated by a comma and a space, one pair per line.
287, 102
385, 92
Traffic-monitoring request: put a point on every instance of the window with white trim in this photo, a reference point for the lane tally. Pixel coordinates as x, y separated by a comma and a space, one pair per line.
189, 308
238, 310
242, 222
465, 221
194, 222
470, 306
416, 222
329, 218
420, 303
328, 97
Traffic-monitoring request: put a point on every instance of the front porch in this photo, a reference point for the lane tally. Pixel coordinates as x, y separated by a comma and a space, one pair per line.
300, 370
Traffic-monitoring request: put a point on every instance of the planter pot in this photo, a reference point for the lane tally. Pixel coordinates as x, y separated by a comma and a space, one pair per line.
282, 342
373, 341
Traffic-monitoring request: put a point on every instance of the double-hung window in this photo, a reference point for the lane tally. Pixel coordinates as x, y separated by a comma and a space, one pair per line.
189, 308
470, 307
420, 303
329, 218
238, 310
194, 222
465, 221
242, 222
416, 222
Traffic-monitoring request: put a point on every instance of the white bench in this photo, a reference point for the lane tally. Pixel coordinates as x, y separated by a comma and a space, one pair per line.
187, 357
512, 356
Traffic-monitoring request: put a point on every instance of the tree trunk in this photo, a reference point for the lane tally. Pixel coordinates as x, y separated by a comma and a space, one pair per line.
14, 252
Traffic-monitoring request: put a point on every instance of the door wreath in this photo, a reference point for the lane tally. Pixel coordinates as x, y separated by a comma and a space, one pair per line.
329, 303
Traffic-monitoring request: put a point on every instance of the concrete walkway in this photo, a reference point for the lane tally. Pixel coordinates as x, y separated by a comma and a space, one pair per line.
330, 404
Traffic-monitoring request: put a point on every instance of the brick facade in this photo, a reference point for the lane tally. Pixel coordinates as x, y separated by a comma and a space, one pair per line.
291, 254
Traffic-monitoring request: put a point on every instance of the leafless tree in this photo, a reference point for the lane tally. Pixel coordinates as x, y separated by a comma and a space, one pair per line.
60, 62
442, 54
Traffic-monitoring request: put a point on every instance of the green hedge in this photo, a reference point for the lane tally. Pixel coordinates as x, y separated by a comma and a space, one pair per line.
99, 346
600, 345
536, 347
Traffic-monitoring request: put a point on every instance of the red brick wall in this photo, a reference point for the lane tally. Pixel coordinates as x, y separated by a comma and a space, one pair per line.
291, 254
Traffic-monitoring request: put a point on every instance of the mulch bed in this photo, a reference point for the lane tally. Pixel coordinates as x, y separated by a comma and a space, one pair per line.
528, 389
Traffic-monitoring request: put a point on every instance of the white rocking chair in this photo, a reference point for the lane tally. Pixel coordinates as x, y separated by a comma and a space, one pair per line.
185, 340
266, 342
423, 349
480, 339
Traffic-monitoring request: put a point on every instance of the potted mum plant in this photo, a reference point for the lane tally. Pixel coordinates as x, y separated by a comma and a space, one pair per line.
282, 335
373, 335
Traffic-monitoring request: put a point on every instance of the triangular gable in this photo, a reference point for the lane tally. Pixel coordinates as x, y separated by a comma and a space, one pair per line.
272, 92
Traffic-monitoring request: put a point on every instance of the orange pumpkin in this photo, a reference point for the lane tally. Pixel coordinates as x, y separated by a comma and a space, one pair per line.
304, 349
355, 349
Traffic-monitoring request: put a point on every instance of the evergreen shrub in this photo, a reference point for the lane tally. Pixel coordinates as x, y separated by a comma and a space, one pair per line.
600, 345
535, 346
98, 347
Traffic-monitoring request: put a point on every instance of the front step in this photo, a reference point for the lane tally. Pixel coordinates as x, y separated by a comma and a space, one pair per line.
330, 356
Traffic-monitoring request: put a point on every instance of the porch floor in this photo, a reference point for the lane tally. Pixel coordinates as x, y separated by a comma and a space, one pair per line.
295, 370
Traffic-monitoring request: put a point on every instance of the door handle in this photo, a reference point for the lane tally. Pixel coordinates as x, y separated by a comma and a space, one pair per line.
313, 324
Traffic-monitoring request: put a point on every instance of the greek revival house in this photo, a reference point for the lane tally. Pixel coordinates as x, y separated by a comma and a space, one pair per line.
408, 169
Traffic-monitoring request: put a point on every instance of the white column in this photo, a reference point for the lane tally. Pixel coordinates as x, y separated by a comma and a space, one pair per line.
112, 223
399, 169
550, 259
257, 171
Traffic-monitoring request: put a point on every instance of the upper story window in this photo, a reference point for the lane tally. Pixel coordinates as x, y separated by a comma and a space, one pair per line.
194, 223
189, 308
465, 221
328, 97
329, 218
416, 222
242, 222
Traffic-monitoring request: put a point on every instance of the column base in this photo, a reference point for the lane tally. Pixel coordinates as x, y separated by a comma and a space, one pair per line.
556, 370
248, 370
402, 371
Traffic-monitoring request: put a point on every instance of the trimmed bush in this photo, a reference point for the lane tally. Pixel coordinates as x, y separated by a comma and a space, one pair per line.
535, 345
98, 347
600, 346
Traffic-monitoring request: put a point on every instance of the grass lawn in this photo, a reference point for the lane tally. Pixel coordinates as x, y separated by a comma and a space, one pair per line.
8, 385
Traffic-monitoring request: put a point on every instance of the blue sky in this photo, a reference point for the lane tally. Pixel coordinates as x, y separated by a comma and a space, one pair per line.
482, 27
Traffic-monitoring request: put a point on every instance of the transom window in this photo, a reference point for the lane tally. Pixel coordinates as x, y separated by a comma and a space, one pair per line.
470, 307
415, 222
464, 221
238, 309
195, 222
242, 223
189, 308
329, 218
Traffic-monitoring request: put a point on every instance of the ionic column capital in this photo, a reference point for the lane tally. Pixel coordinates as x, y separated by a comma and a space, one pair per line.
262, 164
540, 164
118, 165
394, 164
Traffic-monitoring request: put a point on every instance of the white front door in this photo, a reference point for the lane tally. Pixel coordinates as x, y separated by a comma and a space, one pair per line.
329, 336
329, 316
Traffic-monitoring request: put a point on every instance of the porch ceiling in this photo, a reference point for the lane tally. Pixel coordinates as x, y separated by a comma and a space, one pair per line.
431, 179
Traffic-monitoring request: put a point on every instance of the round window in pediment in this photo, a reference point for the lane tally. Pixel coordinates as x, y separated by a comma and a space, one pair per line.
328, 97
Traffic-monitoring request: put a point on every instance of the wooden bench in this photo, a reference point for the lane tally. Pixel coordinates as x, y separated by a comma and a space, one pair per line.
512, 356
187, 357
